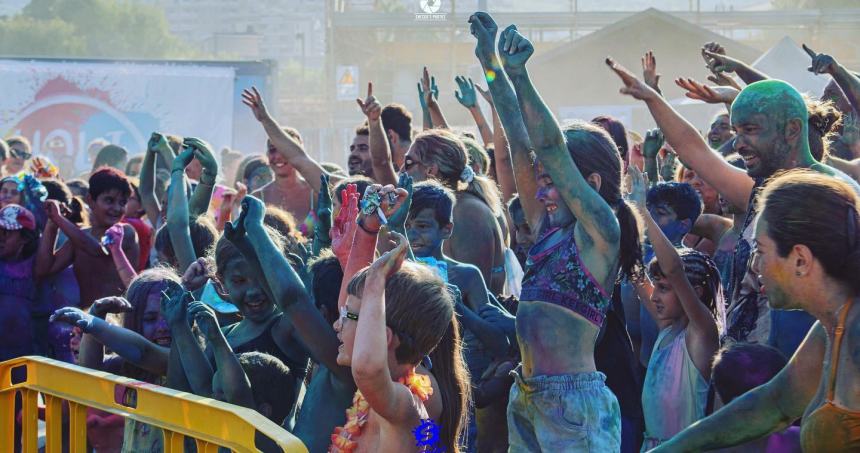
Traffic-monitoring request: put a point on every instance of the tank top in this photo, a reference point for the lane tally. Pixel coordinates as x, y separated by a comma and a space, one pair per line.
558, 276
675, 392
830, 427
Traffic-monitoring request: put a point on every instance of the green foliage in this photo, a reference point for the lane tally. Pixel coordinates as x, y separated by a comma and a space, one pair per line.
90, 28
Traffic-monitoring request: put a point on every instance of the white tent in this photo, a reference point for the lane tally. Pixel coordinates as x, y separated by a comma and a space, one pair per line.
788, 61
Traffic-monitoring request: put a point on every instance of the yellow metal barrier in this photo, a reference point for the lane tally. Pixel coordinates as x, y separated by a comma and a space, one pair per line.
211, 423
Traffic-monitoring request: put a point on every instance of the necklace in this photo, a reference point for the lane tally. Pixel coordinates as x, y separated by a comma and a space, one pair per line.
344, 438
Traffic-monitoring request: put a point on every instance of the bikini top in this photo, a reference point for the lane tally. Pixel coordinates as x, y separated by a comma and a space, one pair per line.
558, 276
830, 427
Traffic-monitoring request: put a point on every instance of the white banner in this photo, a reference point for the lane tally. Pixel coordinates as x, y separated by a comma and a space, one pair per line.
62, 106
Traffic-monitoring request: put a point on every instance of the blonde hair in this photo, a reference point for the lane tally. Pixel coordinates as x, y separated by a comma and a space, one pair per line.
445, 150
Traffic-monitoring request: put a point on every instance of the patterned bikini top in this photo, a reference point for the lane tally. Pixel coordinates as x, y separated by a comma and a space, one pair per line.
558, 276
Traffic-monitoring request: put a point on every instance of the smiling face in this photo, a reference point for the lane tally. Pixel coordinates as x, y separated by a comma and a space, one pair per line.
760, 142
278, 163
9, 194
108, 208
773, 271
710, 197
720, 131
425, 234
414, 167
345, 328
153, 326
245, 292
359, 162
558, 213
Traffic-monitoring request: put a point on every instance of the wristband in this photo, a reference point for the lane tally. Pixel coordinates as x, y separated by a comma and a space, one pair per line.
361, 225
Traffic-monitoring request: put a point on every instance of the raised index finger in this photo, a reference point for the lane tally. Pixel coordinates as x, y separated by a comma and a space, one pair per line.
809, 51
369, 89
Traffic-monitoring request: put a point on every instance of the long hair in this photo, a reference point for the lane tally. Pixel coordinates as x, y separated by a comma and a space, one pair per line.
593, 151
824, 122
449, 154
819, 211
419, 309
701, 272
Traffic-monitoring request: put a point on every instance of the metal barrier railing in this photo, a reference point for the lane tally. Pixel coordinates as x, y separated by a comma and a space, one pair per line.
179, 414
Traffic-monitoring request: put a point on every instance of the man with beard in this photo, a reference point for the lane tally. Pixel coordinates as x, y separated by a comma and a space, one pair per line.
360, 162
770, 121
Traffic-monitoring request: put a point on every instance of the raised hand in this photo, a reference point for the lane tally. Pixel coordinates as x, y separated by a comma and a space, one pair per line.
724, 81
175, 306
324, 211
397, 221
514, 49
54, 210
390, 262
344, 226
821, 62
649, 71
371, 107
203, 153
371, 221
719, 63
183, 159
667, 165
207, 320
196, 275
254, 101
484, 28
158, 144
632, 85
652, 144
709, 94
428, 89
466, 93
485, 94
105, 305
253, 212
75, 317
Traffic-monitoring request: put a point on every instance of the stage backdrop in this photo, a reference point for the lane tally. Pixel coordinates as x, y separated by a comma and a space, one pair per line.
62, 106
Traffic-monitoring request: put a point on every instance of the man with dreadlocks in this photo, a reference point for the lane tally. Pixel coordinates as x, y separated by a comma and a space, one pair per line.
685, 298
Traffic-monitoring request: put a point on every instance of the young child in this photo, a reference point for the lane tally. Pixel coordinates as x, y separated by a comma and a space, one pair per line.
19, 239
687, 304
395, 315
94, 269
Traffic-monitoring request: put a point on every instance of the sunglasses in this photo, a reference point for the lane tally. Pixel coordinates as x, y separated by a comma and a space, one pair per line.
409, 163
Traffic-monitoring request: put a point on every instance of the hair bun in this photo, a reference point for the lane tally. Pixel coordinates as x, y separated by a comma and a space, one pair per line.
467, 175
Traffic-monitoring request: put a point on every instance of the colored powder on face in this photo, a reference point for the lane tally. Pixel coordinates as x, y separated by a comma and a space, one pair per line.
490, 75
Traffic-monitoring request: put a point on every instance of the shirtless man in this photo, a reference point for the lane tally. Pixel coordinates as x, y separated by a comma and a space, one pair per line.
94, 269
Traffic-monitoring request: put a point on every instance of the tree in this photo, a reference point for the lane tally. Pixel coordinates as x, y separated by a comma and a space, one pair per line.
90, 28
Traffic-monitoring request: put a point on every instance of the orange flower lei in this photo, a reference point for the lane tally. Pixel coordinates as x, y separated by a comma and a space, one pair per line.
343, 440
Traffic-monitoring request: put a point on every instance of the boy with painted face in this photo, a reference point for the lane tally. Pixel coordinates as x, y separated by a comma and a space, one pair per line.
94, 268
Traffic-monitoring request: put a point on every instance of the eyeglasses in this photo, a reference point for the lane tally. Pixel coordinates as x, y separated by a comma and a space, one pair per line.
346, 314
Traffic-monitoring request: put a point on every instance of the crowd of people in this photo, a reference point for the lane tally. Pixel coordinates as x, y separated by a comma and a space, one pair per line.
534, 287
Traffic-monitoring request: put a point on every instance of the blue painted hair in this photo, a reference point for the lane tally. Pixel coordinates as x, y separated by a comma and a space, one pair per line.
433, 195
680, 196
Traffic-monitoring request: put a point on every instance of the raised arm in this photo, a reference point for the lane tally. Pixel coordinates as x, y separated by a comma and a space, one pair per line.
428, 83
82, 241
380, 153
295, 154
425, 112
178, 213
702, 327
116, 236
766, 409
390, 400
147, 180
233, 380
502, 150
718, 62
593, 214
467, 98
194, 365
505, 100
48, 261
199, 203
847, 81
732, 183
287, 288
128, 344
649, 71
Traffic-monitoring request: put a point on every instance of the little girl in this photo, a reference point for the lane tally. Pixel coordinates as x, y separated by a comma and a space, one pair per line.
685, 299
403, 310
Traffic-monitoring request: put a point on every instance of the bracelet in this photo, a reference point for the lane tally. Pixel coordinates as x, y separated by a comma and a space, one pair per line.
361, 225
